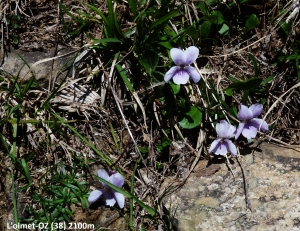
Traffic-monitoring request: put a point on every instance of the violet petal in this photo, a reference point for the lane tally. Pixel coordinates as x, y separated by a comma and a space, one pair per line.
244, 113
256, 109
94, 195
231, 147
218, 148
109, 196
231, 131
193, 73
120, 199
171, 73
178, 56
260, 124
117, 179
215, 144
249, 131
224, 129
110, 202
191, 54
221, 128
239, 130
103, 174
222, 150
181, 77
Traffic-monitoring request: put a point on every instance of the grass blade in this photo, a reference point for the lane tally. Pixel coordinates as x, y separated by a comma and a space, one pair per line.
106, 40
111, 18
256, 67
4, 143
132, 191
133, 7
100, 13
68, 12
123, 75
84, 140
26, 170
113, 133
14, 198
161, 20
14, 155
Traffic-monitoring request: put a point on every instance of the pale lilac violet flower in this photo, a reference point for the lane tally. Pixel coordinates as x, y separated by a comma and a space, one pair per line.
110, 195
249, 125
181, 72
222, 144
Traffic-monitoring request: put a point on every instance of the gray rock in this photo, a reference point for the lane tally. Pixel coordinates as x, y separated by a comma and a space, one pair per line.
217, 201
55, 70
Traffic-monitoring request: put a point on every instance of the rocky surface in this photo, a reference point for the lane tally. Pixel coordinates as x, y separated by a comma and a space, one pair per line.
23, 63
212, 199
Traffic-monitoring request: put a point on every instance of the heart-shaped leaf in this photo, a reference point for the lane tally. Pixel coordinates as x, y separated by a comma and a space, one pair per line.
149, 60
175, 88
190, 118
216, 17
224, 30
251, 22
205, 29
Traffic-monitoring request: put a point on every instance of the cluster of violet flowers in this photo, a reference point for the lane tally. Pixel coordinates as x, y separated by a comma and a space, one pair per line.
249, 125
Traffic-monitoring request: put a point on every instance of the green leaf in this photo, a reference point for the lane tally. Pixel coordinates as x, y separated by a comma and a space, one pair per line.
143, 150
190, 118
216, 17
27, 172
111, 18
149, 60
205, 29
4, 144
293, 56
123, 74
256, 68
161, 20
245, 97
246, 85
165, 143
133, 7
100, 13
219, 97
211, 2
102, 156
251, 22
64, 9
267, 80
175, 88
229, 92
192, 31
203, 8
286, 27
157, 77
232, 79
224, 30
131, 207
166, 44
105, 40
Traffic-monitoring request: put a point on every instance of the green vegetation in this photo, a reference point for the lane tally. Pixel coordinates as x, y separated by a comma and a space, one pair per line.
126, 117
